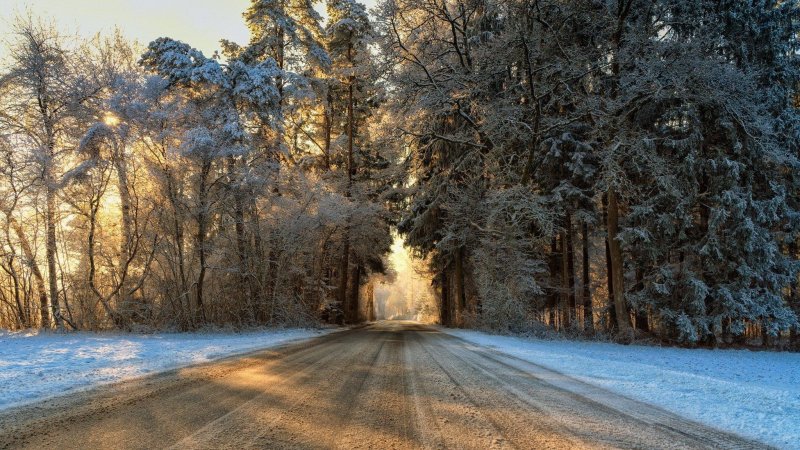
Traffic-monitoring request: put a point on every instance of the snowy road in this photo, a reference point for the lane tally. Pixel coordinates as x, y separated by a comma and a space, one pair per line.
389, 385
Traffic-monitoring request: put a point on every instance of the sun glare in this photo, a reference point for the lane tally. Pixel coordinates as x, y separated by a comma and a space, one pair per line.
408, 295
110, 120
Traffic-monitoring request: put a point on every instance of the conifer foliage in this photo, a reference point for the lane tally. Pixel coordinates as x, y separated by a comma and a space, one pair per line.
653, 138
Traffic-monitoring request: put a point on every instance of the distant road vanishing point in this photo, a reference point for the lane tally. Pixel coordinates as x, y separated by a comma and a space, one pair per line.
388, 385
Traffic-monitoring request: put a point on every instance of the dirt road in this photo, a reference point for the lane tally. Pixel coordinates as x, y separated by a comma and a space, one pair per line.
388, 385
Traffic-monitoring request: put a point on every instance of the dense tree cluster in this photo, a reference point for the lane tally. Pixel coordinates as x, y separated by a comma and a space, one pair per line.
164, 187
602, 164
614, 166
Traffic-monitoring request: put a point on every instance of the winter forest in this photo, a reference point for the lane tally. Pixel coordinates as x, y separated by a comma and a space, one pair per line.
619, 168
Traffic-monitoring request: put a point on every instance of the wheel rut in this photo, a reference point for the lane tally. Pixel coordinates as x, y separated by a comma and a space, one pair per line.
389, 385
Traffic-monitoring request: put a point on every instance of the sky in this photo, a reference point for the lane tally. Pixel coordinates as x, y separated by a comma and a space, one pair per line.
200, 23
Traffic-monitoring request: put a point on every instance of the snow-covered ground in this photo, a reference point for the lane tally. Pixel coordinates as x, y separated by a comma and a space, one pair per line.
753, 394
37, 366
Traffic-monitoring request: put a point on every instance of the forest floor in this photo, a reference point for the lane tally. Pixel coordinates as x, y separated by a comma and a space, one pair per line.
752, 393
386, 385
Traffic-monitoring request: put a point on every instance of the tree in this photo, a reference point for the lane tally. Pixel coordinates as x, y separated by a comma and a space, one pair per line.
347, 38
215, 92
44, 94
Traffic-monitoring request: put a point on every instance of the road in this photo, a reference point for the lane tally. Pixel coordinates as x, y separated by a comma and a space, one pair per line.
390, 385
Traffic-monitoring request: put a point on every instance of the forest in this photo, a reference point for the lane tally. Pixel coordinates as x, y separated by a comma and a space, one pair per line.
627, 169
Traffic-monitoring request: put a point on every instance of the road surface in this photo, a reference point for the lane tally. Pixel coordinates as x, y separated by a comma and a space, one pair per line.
390, 385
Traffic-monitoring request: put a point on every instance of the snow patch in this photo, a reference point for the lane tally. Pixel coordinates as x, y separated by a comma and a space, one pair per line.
38, 365
752, 394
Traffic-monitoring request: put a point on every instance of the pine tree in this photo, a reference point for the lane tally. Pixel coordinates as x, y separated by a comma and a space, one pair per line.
348, 34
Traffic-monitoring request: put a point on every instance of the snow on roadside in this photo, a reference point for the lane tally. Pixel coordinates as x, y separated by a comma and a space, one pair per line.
37, 366
753, 394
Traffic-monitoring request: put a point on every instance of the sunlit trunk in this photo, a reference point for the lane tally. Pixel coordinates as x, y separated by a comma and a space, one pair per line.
126, 221
202, 230
52, 277
27, 251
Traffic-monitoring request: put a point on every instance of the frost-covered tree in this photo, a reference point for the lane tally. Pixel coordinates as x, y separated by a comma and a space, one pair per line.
44, 93
651, 112
709, 257
347, 37
224, 97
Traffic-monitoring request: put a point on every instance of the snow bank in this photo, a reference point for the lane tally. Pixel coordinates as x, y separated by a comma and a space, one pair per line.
37, 366
753, 394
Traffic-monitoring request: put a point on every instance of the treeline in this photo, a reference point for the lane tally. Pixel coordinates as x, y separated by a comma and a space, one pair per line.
622, 166
161, 187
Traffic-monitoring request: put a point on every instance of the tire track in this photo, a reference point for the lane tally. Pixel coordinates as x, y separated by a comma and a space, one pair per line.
635, 424
516, 427
387, 385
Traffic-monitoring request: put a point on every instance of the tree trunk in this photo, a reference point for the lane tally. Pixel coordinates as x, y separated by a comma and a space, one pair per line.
126, 222
257, 262
611, 310
794, 295
564, 294
125, 209
355, 291
444, 312
570, 254
201, 276
766, 339
245, 278
461, 298
345, 264
350, 124
642, 319
16, 308
178, 236
553, 300
24, 318
370, 299
202, 229
272, 279
617, 274
27, 251
327, 130
52, 277
588, 318
341, 295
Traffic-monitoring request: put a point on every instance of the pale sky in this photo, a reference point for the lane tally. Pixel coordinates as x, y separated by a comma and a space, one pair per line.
200, 23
